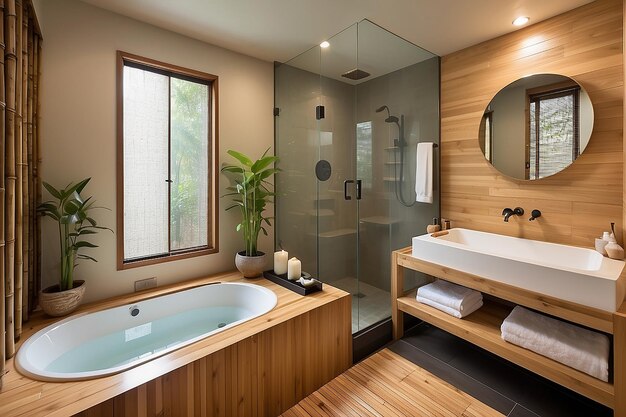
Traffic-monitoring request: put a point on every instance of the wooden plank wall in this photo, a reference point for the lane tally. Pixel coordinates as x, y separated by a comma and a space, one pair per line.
578, 203
263, 375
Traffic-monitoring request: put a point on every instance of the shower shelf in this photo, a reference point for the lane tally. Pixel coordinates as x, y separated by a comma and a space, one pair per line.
392, 163
391, 148
390, 179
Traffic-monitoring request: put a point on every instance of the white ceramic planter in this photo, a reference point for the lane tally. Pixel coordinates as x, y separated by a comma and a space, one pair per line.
250, 266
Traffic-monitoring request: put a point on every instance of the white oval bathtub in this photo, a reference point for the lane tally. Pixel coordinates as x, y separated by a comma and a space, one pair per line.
113, 340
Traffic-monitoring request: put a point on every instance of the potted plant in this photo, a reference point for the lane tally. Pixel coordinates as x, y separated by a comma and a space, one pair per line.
72, 214
251, 193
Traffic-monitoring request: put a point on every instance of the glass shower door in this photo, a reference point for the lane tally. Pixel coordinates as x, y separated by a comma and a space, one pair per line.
337, 196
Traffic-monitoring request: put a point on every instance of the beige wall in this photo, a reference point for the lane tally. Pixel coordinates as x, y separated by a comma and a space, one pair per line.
78, 127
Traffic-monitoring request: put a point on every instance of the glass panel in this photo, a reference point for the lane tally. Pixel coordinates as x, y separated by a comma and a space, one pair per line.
381, 98
400, 101
146, 113
189, 164
338, 221
297, 93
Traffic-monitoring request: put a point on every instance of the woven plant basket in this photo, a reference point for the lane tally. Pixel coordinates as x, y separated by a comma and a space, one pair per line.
57, 303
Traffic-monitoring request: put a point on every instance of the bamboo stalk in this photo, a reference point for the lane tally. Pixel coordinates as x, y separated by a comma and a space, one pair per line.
37, 157
26, 206
2, 276
19, 259
32, 292
10, 63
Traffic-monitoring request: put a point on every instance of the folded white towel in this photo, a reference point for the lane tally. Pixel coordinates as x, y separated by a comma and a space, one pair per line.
450, 295
424, 173
469, 309
574, 346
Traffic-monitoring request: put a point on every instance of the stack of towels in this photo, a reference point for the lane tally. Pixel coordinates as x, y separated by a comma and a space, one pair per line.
450, 298
571, 345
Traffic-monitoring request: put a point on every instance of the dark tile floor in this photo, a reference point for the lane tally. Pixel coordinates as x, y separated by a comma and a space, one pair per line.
506, 387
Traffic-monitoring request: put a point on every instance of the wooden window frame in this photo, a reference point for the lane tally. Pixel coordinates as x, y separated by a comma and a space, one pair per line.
550, 91
212, 246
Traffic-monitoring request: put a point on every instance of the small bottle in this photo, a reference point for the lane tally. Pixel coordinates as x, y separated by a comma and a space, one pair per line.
432, 228
446, 224
613, 250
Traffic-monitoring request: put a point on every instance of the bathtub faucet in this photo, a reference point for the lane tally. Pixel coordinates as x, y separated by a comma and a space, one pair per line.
507, 212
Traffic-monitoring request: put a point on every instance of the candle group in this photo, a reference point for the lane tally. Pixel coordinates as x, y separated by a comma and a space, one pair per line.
280, 262
294, 269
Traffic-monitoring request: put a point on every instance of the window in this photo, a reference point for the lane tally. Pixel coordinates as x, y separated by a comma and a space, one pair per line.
553, 139
167, 165
364, 153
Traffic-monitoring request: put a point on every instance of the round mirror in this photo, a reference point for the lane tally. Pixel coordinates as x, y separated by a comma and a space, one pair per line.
536, 126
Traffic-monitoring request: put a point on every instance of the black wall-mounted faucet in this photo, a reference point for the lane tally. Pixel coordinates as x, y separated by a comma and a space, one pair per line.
534, 214
507, 212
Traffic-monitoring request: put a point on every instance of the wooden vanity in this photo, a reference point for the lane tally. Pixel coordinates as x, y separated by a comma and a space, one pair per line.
261, 367
482, 328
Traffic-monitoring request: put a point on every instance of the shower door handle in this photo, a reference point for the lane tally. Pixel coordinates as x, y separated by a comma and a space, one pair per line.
358, 189
345, 189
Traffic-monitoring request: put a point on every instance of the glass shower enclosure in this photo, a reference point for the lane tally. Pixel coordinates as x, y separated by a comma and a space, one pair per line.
348, 120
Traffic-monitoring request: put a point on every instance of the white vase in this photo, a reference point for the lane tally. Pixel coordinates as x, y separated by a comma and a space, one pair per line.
250, 266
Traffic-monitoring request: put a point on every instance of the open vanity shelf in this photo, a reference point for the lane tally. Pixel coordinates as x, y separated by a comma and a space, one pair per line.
482, 328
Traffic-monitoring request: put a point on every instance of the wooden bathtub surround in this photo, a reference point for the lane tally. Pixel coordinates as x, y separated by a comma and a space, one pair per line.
578, 203
482, 328
258, 368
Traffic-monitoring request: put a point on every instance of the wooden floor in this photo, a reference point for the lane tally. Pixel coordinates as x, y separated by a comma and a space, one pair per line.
386, 384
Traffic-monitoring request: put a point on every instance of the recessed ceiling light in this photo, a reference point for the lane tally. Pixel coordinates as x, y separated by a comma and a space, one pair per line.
324, 44
521, 21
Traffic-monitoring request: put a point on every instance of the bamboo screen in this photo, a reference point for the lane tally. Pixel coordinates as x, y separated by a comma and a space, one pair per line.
20, 71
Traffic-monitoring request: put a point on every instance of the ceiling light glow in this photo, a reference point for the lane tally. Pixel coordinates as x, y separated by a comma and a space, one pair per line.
324, 44
521, 21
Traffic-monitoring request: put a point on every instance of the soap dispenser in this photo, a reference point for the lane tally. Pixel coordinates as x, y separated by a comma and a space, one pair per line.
613, 250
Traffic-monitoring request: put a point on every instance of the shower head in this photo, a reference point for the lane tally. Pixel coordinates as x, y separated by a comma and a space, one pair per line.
390, 118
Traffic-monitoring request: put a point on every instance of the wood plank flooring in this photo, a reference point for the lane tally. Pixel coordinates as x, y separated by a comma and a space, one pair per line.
386, 384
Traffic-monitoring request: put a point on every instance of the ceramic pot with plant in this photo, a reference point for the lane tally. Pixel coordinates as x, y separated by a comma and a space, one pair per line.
72, 214
250, 194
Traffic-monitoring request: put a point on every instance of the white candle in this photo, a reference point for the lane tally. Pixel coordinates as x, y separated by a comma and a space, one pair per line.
294, 269
280, 262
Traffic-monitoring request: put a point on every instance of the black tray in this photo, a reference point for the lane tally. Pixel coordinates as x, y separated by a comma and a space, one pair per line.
292, 285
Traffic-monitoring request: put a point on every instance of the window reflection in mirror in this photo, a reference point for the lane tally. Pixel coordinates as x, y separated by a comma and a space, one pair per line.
536, 126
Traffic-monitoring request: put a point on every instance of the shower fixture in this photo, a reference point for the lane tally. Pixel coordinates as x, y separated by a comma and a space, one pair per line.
356, 74
399, 143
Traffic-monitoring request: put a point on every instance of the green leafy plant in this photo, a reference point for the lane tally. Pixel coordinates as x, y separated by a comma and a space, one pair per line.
72, 213
250, 194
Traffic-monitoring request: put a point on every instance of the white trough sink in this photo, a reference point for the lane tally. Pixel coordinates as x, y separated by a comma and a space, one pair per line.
570, 273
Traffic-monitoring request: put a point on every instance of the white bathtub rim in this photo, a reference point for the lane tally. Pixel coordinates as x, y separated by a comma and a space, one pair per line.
41, 375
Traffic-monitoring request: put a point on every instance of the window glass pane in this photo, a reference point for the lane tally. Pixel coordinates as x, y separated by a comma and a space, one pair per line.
145, 163
532, 161
189, 164
556, 134
364, 153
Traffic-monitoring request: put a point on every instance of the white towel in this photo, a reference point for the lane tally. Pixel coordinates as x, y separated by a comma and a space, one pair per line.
574, 346
469, 309
450, 295
424, 173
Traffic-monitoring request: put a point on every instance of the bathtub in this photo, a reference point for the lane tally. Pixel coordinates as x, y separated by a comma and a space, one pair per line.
105, 342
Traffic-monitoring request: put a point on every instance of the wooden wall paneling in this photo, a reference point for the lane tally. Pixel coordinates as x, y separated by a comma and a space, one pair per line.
578, 203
